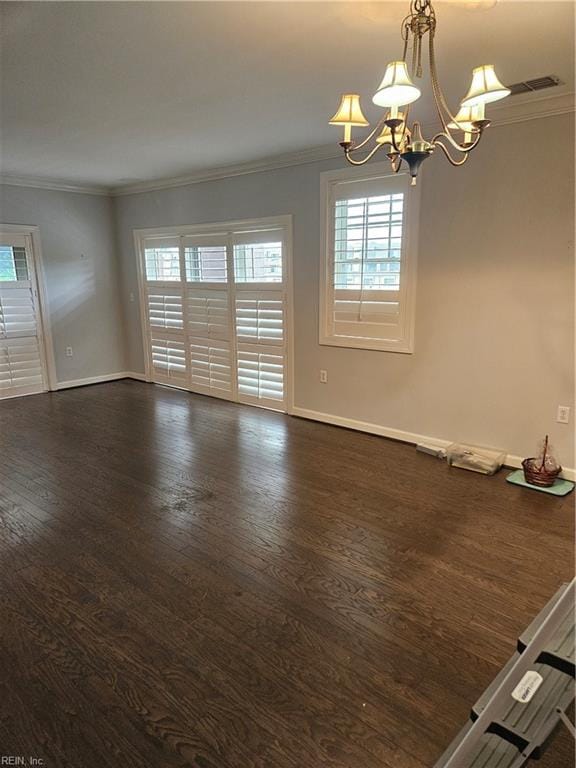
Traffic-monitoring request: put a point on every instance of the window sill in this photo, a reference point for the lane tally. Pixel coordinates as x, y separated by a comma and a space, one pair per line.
402, 346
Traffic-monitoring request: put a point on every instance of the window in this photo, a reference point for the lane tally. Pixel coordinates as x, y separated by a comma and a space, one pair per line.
163, 260
216, 309
206, 258
13, 265
206, 264
368, 261
258, 263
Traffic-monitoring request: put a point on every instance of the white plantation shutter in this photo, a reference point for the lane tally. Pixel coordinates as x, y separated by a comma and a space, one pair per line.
211, 367
208, 313
168, 360
21, 369
372, 315
216, 312
17, 310
260, 317
209, 320
261, 375
368, 263
165, 308
20, 366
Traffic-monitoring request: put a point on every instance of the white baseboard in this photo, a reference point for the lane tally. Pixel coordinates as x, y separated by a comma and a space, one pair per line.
399, 434
100, 379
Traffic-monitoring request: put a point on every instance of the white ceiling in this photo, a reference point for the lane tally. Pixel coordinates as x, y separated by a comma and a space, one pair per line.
117, 92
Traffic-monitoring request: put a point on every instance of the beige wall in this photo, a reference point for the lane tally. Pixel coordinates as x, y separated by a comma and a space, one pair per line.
494, 348
79, 257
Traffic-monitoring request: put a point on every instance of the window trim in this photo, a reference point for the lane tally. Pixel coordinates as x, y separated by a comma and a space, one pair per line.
328, 182
284, 222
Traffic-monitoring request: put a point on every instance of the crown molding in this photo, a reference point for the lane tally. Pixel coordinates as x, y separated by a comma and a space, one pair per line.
519, 110
516, 110
301, 157
55, 185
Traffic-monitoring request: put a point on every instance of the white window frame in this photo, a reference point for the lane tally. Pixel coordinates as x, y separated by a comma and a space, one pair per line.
215, 228
31, 234
356, 176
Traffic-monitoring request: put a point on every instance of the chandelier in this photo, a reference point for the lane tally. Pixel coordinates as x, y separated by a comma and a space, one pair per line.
459, 134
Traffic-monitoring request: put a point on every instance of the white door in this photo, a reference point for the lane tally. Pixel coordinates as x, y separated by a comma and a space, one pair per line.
216, 312
22, 359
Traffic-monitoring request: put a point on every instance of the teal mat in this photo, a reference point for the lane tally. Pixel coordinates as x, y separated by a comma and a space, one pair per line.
560, 488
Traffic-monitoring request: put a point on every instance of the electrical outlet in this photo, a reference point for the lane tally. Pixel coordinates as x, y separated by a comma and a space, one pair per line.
563, 414
131, 296
69, 352
324, 377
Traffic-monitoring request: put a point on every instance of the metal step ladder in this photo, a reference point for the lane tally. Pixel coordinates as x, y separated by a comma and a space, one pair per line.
514, 719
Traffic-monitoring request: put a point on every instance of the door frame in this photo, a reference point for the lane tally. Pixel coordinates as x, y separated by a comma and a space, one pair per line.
31, 233
284, 221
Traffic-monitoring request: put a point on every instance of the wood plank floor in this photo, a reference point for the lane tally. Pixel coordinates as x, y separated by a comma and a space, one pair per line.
189, 582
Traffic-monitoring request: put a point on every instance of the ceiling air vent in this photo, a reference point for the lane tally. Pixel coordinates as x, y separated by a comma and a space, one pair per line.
536, 84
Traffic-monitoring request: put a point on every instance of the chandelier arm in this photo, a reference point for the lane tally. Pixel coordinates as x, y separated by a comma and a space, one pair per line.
403, 134
400, 138
396, 165
459, 147
449, 156
373, 132
350, 159
379, 125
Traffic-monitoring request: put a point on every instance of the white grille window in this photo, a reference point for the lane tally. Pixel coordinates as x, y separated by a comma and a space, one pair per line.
206, 263
258, 263
162, 263
13, 264
368, 259
368, 242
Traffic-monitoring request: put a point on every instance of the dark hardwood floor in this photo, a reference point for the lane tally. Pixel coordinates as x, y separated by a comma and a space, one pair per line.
189, 582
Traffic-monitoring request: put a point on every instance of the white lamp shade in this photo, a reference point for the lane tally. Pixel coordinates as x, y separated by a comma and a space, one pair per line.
485, 87
462, 120
349, 111
396, 87
465, 117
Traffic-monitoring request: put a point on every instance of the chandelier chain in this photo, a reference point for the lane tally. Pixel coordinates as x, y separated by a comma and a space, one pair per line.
435, 82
